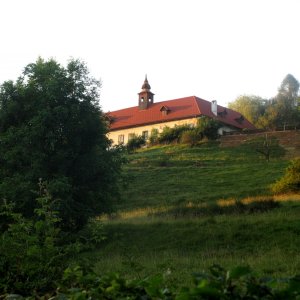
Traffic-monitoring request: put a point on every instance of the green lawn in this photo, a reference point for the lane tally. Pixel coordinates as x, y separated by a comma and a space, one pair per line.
145, 236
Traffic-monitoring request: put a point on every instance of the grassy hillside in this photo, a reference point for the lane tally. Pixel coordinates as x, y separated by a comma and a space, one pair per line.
181, 212
173, 175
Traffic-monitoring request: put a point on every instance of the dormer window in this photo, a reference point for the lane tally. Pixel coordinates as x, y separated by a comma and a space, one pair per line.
109, 119
240, 119
165, 110
222, 113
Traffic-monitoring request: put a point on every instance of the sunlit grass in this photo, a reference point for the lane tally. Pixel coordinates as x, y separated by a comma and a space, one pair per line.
146, 212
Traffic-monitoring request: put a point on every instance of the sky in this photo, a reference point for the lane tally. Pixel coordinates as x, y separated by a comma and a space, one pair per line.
213, 49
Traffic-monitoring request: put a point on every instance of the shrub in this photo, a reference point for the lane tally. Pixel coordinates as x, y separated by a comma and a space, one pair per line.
208, 128
170, 135
190, 137
154, 137
218, 283
290, 182
135, 143
35, 252
30, 256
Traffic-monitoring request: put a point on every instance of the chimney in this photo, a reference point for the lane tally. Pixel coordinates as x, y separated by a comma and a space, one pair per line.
214, 107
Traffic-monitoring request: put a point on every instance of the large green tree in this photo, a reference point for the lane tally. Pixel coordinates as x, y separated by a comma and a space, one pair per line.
286, 102
250, 106
282, 111
52, 130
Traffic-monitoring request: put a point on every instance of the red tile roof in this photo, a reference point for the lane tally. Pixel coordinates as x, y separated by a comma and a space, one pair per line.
179, 109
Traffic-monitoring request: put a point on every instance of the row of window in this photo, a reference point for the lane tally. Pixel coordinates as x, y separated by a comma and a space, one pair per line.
121, 137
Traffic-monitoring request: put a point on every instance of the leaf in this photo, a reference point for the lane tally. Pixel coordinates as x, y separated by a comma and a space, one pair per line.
238, 272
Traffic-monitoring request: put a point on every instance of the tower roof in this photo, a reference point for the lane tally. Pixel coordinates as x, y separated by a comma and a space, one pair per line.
146, 85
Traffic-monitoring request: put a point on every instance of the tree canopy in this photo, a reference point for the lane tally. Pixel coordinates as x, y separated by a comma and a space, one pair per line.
280, 112
250, 106
52, 130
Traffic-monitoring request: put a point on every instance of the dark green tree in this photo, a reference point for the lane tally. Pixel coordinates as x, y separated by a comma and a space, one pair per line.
289, 87
52, 129
282, 111
207, 127
286, 103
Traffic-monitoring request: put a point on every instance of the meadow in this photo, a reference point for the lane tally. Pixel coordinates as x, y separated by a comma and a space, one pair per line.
184, 209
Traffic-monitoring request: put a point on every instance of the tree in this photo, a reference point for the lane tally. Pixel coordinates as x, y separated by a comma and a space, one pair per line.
251, 107
207, 127
280, 112
286, 102
289, 87
52, 129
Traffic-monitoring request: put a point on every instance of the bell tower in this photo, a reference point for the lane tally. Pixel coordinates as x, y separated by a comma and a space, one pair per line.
146, 97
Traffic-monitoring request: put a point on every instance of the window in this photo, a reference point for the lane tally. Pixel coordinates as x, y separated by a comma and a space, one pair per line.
165, 110
145, 134
121, 138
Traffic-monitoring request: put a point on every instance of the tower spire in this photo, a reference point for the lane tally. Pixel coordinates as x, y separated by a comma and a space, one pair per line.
146, 85
145, 96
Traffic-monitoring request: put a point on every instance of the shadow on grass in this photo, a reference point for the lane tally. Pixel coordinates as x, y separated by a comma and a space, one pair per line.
213, 210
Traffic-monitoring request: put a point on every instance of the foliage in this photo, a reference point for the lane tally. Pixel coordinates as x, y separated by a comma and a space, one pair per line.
34, 252
290, 182
154, 136
31, 258
267, 147
280, 112
135, 143
185, 134
170, 135
208, 128
237, 283
289, 87
51, 127
191, 137
251, 107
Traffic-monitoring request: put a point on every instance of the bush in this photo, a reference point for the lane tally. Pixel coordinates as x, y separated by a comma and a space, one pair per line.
290, 182
30, 256
191, 137
219, 283
35, 252
154, 137
135, 143
208, 128
170, 135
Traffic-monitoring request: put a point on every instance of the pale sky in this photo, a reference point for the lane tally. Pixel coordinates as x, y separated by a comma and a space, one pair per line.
213, 49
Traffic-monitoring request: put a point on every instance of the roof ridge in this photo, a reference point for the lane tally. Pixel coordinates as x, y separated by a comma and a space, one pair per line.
197, 104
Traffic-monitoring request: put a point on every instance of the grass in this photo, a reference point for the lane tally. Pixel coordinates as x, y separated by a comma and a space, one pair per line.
174, 175
185, 209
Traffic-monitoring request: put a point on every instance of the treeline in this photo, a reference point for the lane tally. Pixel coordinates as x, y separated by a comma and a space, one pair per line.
278, 113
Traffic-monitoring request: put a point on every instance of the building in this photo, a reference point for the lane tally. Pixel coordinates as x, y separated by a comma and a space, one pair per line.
148, 115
